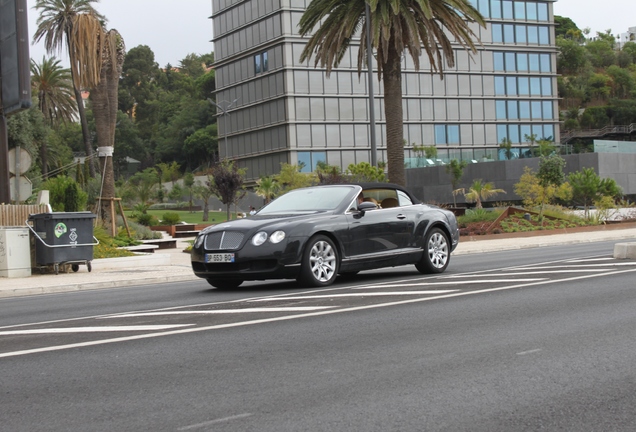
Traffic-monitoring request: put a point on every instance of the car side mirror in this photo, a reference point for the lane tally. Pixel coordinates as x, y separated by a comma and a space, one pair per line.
365, 206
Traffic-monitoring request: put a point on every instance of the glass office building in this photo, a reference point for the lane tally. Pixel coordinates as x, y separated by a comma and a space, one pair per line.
288, 111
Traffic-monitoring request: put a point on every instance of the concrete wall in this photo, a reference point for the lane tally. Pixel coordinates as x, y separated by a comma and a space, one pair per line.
433, 184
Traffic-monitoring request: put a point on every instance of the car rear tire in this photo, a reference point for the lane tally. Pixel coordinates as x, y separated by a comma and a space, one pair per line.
320, 262
224, 283
436, 254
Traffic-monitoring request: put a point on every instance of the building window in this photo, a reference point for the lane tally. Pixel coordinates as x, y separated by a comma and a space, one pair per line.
447, 134
307, 161
260, 63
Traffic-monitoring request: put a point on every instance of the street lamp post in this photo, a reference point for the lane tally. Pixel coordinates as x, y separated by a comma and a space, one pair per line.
225, 114
374, 151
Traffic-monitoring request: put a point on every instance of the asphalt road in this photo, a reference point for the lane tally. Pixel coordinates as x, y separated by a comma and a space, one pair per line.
538, 339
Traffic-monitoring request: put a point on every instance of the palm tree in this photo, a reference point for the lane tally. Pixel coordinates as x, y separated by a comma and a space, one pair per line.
104, 103
58, 24
267, 188
417, 26
54, 88
479, 191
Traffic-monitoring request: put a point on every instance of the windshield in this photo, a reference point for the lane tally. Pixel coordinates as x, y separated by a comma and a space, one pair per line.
308, 200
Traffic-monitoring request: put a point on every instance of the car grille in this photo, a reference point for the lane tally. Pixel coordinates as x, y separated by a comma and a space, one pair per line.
224, 240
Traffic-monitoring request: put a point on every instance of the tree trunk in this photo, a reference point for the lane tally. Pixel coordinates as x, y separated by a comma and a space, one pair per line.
392, 80
81, 112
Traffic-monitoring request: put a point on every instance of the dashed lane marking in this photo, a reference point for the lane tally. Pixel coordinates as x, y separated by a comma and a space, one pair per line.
218, 311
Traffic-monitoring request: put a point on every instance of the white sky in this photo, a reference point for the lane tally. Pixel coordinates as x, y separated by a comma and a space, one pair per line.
171, 28
175, 28
617, 15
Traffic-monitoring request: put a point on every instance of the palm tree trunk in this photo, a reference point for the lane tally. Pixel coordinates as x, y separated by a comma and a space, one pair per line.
392, 80
82, 113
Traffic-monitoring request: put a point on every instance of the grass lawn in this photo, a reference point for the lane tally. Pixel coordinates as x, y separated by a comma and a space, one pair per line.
188, 217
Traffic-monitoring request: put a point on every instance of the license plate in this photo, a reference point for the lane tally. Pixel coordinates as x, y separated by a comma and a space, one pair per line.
219, 258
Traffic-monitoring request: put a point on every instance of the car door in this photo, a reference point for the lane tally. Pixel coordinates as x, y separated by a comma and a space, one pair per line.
380, 231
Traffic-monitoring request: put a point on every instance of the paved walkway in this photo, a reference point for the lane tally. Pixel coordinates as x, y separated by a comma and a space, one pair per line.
173, 265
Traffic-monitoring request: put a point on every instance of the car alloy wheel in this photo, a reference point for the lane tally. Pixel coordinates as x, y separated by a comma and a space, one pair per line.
436, 254
320, 262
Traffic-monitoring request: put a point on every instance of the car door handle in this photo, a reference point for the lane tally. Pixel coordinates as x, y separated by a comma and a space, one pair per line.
401, 216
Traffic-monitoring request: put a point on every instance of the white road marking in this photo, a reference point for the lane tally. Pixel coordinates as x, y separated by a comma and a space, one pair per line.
218, 312
522, 353
359, 294
531, 273
295, 317
92, 329
583, 266
590, 259
211, 422
476, 281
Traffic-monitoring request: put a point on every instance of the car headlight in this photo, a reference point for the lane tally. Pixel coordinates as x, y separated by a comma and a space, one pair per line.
199, 241
259, 238
277, 237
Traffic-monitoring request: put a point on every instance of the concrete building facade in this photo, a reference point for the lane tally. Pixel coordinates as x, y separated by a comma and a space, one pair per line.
282, 110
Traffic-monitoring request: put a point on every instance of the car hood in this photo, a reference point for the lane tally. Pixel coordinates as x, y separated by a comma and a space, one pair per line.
271, 222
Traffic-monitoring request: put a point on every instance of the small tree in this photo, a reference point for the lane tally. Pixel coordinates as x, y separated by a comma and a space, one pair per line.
365, 172
188, 183
290, 177
544, 187
204, 193
588, 187
267, 187
456, 170
480, 191
506, 146
226, 182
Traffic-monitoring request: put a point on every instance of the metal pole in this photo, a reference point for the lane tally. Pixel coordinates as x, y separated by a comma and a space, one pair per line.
374, 150
5, 188
225, 114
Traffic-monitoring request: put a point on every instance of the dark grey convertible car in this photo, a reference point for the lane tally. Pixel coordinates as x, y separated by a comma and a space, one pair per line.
314, 234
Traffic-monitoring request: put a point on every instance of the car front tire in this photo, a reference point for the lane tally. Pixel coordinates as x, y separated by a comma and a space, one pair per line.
436, 254
224, 284
320, 262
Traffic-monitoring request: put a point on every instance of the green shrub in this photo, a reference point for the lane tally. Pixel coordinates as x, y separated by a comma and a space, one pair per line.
171, 218
478, 215
146, 219
65, 194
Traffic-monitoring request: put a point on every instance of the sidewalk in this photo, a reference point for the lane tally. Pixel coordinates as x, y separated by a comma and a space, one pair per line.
173, 265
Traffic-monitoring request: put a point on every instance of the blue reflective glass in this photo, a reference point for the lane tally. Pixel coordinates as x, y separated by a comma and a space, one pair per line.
509, 33
522, 62
502, 132
546, 86
533, 35
524, 110
265, 61
525, 131
511, 86
538, 131
547, 110
304, 161
440, 134
317, 157
453, 134
520, 31
495, 9
544, 35
548, 132
507, 9
531, 14
500, 86
542, 11
512, 110
533, 59
523, 85
511, 62
498, 58
513, 133
545, 63
257, 64
520, 10
497, 33
536, 110
500, 109
483, 8
535, 86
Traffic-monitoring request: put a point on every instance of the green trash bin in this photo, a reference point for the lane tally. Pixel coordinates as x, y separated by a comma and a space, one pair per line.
63, 238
